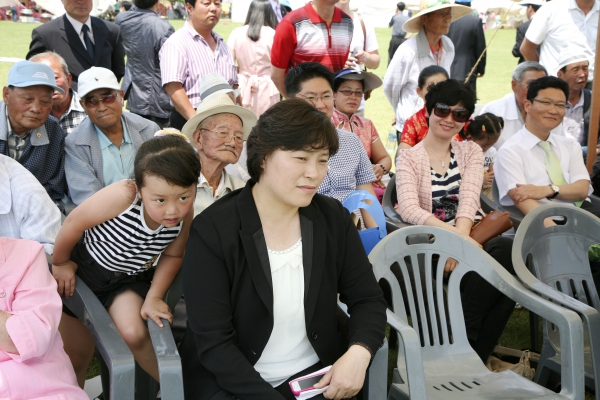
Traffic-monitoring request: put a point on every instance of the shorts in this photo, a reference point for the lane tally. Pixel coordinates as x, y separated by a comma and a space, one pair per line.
106, 284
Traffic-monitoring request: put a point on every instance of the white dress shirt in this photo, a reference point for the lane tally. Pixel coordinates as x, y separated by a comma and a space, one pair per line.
26, 210
522, 161
506, 108
78, 25
205, 195
288, 350
560, 25
402, 76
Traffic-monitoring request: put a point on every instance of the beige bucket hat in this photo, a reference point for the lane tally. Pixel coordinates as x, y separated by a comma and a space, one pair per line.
428, 6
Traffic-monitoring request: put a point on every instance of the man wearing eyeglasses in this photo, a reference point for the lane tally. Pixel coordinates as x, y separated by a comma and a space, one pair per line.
101, 150
536, 166
218, 131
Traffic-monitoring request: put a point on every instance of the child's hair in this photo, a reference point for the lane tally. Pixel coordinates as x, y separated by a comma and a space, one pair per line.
484, 125
168, 157
430, 71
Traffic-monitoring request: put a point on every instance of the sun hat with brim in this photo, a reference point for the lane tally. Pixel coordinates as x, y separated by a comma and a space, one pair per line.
96, 78
26, 73
370, 80
570, 57
213, 83
414, 24
526, 3
219, 103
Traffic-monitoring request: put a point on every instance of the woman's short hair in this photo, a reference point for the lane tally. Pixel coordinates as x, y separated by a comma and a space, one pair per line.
450, 92
430, 71
305, 72
547, 82
289, 125
260, 13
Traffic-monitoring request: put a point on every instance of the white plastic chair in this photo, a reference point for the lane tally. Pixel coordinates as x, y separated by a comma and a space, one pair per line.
450, 368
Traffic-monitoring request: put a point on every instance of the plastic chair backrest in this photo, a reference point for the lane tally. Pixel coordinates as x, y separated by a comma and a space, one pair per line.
390, 199
356, 200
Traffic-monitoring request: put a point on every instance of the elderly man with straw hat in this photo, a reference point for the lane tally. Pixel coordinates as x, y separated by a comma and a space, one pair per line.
429, 47
217, 131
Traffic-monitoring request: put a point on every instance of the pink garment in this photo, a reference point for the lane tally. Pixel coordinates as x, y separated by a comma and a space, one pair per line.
258, 91
362, 127
413, 181
42, 370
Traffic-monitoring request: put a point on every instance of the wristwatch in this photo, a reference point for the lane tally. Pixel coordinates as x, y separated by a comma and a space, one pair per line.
556, 192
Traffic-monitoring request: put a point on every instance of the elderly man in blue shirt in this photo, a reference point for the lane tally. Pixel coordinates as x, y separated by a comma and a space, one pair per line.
102, 149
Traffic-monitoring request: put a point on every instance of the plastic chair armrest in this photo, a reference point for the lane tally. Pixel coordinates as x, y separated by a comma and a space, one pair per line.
169, 362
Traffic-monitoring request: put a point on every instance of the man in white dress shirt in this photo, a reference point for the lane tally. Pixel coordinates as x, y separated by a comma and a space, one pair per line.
536, 166
26, 210
512, 106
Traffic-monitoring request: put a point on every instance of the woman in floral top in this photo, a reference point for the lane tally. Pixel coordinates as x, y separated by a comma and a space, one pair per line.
348, 88
416, 127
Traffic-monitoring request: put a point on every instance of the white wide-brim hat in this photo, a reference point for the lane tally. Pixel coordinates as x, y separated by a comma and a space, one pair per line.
526, 3
414, 24
219, 103
370, 80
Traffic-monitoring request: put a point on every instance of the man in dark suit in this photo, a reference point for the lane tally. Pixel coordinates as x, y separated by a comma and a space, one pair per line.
532, 7
83, 41
469, 43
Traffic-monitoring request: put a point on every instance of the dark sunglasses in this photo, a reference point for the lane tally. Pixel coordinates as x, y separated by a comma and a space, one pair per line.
443, 110
92, 102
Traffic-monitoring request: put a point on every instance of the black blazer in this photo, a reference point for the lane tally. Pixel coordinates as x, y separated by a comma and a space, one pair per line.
59, 35
229, 296
469, 42
521, 31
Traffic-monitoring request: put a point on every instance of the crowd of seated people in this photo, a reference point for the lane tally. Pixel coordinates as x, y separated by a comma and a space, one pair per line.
249, 208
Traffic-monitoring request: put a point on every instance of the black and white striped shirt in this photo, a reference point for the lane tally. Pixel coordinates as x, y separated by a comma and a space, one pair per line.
126, 244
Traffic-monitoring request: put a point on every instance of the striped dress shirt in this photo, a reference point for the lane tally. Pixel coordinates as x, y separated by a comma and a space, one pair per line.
186, 57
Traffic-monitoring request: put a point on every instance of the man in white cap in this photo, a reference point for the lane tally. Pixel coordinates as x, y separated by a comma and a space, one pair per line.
218, 131
573, 68
28, 134
429, 47
532, 7
559, 25
102, 149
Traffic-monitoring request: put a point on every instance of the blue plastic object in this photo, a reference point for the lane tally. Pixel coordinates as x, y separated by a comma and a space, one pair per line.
356, 200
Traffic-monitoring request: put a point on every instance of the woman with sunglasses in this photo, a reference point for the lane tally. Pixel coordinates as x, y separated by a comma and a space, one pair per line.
438, 182
348, 89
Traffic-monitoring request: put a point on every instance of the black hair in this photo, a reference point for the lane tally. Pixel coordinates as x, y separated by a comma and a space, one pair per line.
145, 4
168, 157
127, 4
304, 72
535, 7
260, 13
483, 125
338, 82
430, 71
289, 125
450, 92
401, 6
547, 82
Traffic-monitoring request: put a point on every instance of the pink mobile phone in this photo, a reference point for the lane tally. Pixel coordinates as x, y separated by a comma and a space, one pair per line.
305, 383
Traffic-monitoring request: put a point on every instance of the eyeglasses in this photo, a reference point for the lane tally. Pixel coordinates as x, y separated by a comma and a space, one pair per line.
348, 92
326, 98
93, 102
549, 104
458, 115
226, 136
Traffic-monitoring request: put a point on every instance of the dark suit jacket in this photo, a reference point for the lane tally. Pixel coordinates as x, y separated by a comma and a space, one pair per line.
469, 42
521, 31
59, 35
229, 296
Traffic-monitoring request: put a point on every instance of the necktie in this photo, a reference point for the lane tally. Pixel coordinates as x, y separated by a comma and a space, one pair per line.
553, 167
88, 42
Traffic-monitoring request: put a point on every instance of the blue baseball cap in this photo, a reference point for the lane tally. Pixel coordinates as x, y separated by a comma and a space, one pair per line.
28, 73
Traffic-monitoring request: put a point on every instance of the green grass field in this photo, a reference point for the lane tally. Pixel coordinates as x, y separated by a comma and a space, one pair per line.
494, 85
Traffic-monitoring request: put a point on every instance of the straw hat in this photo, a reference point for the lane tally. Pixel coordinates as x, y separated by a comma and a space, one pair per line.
219, 103
370, 80
428, 6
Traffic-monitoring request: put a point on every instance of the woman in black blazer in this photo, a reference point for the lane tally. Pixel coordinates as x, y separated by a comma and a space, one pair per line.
229, 274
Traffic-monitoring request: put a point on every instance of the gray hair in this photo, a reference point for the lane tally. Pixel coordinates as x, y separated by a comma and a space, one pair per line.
518, 73
48, 54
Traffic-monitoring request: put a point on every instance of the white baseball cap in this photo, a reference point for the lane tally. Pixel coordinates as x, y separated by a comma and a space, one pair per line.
526, 3
96, 78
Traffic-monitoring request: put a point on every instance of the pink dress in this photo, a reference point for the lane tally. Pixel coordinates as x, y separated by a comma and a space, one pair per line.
258, 91
42, 370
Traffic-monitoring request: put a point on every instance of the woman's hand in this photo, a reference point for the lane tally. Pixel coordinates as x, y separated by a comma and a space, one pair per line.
378, 171
155, 309
65, 277
488, 178
347, 376
379, 184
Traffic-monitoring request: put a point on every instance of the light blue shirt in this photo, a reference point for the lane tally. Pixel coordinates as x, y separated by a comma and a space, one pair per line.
117, 162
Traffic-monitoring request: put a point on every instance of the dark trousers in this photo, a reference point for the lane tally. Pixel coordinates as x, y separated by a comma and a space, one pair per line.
161, 122
176, 120
485, 309
394, 44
